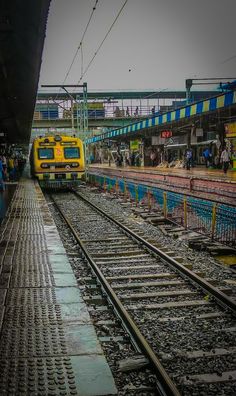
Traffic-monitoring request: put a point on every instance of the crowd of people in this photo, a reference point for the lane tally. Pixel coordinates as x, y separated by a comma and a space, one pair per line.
132, 158
220, 160
156, 157
11, 167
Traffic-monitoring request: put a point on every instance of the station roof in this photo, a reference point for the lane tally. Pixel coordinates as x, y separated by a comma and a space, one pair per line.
200, 108
22, 32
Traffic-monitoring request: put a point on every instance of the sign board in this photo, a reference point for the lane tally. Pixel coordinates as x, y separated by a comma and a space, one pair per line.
157, 140
199, 132
166, 134
230, 129
134, 144
95, 105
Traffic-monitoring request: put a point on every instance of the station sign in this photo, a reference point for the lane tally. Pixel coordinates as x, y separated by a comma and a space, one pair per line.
166, 134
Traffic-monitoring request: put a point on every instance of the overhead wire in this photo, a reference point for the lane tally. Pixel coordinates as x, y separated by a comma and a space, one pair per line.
81, 41
79, 47
96, 52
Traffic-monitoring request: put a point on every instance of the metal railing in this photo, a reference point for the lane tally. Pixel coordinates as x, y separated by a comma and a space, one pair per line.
106, 111
217, 221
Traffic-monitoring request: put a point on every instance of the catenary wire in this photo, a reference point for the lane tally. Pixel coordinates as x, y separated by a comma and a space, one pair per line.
81, 41
80, 46
96, 52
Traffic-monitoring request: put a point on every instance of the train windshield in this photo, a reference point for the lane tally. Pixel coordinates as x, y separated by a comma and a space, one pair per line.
45, 153
71, 152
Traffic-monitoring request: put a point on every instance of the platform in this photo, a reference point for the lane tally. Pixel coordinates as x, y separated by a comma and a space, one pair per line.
48, 345
200, 182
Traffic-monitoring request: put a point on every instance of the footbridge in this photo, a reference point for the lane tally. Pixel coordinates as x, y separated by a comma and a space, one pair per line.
105, 108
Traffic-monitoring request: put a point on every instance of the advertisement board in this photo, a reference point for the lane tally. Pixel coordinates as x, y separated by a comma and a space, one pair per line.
230, 129
134, 144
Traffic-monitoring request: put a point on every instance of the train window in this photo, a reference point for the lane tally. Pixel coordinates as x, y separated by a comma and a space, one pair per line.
71, 152
45, 153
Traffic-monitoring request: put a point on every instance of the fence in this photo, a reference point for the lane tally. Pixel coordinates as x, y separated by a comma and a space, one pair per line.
216, 220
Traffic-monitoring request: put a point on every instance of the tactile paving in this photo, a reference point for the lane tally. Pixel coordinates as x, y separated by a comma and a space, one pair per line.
29, 315
31, 296
32, 341
51, 376
20, 278
36, 260
32, 228
3, 293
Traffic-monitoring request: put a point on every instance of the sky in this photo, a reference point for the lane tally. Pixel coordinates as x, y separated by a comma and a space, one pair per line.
153, 45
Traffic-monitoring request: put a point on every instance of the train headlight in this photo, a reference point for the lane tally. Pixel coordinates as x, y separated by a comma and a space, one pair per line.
45, 166
74, 164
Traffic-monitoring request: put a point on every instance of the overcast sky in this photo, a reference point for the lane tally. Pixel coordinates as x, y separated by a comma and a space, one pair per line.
155, 44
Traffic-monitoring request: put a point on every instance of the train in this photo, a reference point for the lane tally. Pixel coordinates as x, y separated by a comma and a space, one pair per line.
57, 161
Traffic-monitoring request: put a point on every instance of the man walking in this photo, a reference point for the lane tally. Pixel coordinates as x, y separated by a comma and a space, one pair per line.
225, 159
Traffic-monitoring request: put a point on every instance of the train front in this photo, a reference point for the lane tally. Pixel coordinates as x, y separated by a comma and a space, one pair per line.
57, 161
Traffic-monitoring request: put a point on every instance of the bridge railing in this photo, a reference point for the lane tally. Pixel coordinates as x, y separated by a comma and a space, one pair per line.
106, 111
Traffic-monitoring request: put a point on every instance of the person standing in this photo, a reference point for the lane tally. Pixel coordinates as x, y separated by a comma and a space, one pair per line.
132, 159
109, 157
225, 159
152, 157
4, 165
206, 155
2, 186
100, 155
11, 168
188, 157
127, 158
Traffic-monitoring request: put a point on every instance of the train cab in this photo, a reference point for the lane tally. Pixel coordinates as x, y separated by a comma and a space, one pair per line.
57, 161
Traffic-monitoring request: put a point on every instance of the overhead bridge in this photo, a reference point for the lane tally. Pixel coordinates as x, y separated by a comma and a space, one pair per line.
105, 109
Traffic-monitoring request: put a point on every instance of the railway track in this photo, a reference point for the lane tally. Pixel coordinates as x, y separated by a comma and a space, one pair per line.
181, 323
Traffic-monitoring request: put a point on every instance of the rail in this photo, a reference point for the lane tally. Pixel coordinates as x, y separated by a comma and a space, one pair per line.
221, 297
165, 384
165, 381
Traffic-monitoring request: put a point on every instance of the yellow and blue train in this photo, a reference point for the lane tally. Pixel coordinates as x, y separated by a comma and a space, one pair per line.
57, 161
